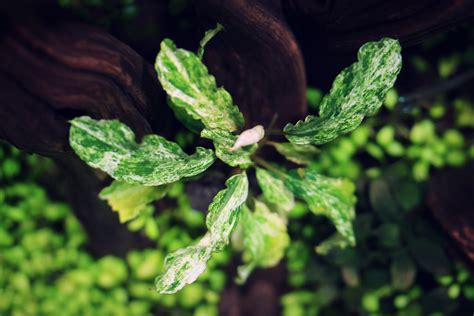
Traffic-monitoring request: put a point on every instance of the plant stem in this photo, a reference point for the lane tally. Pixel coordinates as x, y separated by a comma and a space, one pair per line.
266, 165
274, 132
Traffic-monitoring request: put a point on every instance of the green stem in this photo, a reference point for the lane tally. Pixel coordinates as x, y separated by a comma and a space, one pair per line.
266, 165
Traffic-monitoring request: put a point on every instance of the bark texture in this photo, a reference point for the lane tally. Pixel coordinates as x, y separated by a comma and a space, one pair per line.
451, 200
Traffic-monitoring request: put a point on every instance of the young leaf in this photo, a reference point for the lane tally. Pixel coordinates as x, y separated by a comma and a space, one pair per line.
333, 198
182, 267
129, 199
110, 146
358, 91
275, 191
189, 85
223, 142
185, 265
300, 154
265, 239
225, 209
207, 37
249, 137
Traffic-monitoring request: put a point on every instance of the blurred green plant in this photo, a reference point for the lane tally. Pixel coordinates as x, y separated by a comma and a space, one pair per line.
46, 269
401, 264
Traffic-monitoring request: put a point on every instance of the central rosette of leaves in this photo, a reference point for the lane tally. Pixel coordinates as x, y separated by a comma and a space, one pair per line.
142, 172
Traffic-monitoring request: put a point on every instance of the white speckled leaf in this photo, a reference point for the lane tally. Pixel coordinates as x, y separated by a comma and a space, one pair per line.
182, 267
189, 85
225, 209
223, 142
299, 154
130, 199
275, 191
265, 239
110, 146
331, 197
185, 265
358, 91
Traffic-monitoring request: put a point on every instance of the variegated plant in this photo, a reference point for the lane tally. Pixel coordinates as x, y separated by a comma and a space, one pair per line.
143, 171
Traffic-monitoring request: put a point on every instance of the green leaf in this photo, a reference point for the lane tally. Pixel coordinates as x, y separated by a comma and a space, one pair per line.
402, 271
430, 256
300, 154
185, 265
223, 142
110, 146
181, 115
182, 267
189, 85
275, 191
334, 241
130, 199
358, 91
225, 209
331, 197
265, 239
207, 37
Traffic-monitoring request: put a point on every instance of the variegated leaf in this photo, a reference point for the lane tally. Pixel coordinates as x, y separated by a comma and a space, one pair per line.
110, 146
265, 239
331, 197
358, 91
185, 265
129, 199
182, 267
223, 142
189, 85
275, 191
225, 209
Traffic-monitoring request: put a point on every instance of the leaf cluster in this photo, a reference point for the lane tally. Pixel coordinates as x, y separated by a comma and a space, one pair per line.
142, 171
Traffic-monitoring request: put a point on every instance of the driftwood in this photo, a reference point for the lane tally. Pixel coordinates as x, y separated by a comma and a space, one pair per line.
52, 73
257, 59
451, 200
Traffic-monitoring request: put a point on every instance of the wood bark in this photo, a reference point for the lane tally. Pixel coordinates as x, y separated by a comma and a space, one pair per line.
451, 200
51, 73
